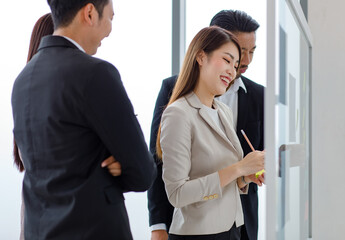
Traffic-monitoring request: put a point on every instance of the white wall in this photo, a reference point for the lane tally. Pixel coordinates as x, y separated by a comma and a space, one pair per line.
326, 20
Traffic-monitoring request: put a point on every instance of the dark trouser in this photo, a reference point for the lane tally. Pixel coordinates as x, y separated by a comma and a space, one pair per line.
232, 234
244, 235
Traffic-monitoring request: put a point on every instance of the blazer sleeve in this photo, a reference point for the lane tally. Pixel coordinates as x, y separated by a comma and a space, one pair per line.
110, 114
160, 209
176, 142
161, 102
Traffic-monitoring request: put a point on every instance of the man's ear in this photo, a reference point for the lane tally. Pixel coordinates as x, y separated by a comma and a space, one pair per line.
200, 57
89, 14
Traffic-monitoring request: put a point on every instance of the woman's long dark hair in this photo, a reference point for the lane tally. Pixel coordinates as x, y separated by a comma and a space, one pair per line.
207, 40
44, 26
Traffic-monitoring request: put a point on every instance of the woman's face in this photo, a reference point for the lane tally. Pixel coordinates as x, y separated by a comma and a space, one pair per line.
218, 69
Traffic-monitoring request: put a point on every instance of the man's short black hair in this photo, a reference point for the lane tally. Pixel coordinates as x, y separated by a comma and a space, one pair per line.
64, 11
235, 21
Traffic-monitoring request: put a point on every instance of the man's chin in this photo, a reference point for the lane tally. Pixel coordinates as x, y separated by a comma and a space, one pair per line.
243, 70
94, 52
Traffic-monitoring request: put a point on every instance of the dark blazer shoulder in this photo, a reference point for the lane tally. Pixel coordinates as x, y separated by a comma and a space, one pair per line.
169, 82
252, 85
55, 41
254, 89
101, 65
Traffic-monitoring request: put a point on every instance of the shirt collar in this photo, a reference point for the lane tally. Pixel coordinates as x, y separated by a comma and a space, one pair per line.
75, 43
237, 84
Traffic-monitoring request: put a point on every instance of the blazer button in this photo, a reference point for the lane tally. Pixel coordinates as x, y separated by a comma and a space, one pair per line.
215, 196
205, 198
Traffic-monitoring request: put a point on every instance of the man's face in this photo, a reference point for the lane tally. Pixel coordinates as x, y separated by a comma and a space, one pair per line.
103, 26
247, 43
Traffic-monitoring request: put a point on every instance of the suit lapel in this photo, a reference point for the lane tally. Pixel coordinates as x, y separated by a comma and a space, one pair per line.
242, 110
229, 134
204, 115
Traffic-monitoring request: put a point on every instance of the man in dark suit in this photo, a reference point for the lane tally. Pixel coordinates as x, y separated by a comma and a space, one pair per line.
71, 112
246, 99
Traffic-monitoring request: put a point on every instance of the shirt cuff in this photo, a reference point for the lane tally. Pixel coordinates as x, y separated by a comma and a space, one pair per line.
244, 190
158, 226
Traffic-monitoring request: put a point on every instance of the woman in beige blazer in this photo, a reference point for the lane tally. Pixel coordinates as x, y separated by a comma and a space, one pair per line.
203, 169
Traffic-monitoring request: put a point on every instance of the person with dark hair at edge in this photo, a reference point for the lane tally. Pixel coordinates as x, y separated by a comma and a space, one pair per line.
246, 100
71, 112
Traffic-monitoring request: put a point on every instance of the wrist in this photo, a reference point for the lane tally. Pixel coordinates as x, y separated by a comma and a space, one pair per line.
158, 226
243, 178
239, 169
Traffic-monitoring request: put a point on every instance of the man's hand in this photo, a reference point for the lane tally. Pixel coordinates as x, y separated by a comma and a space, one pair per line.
113, 166
258, 180
159, 235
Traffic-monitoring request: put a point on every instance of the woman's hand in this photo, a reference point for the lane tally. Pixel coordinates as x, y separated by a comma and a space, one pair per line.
113, 166
252, 163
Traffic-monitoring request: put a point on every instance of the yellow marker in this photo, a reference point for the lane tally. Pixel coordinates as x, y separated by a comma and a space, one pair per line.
259, 173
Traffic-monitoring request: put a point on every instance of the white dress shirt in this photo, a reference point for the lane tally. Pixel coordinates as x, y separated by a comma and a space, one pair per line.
230, 98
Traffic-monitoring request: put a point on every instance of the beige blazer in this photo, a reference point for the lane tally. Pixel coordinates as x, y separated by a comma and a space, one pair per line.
194, 149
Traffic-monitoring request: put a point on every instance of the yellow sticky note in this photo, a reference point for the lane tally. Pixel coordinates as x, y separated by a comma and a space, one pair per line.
259, 173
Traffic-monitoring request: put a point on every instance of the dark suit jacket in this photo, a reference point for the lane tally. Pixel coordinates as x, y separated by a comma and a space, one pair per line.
70, 112
250, 119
